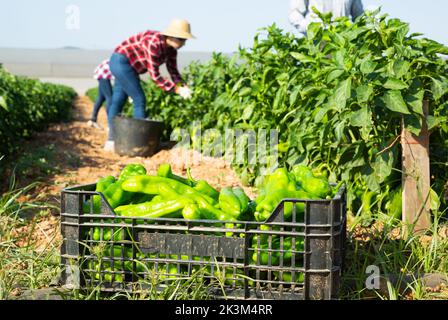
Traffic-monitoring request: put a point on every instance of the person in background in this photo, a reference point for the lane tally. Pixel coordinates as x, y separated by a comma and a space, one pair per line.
104, 76
301, 13
141, 53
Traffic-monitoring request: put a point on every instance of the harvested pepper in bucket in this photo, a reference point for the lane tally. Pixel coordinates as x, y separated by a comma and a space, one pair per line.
203, 186
101, 186
131, 170
300, 183
114, 193
165, 171
234, 202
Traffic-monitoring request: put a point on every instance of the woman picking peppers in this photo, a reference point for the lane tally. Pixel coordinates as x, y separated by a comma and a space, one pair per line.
141, 53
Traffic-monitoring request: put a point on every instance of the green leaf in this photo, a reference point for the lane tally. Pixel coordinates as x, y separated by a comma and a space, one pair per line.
237, 85
335, 74
413, 123
302, 57
248, 111
339, 58
368, 66
371, 179
363, 93
415, 101
245, 91
395, 84
439, 88
361, 117
307, 91
383, 165
434, 200
294, 94
339, 131
3, 103
434, 122
313, 30
320, 114
268, 75
338, 39
278, 99
357, 160
342, 93
283, 77
401, 68
393, 100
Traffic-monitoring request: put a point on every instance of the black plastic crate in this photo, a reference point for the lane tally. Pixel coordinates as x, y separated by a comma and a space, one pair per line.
301, 259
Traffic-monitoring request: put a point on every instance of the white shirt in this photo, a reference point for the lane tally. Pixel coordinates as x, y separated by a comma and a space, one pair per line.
102, 71
301, 13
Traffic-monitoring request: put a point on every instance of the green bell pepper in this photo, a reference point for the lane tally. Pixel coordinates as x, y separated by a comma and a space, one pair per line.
133, 169
105, 269
243, 198
140, 198
283, 185
264, 255
203, 186
119, 265
164, 170
265, 207
159, 185
152, 185
119, 234
229, 202
101, 186
317, 186
286, 252
154, 210
191, 211
287, 276
116, 196
301, 172
235, 203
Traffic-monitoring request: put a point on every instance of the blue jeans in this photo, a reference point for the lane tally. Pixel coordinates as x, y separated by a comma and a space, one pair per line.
104, 94
127, 84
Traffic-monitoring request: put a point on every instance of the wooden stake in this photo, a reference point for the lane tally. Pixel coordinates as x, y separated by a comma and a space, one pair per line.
416, 178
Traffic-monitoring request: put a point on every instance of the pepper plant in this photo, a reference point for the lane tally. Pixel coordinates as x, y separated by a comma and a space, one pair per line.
338, 98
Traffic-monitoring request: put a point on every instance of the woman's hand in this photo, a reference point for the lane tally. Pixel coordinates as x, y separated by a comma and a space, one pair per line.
184, 92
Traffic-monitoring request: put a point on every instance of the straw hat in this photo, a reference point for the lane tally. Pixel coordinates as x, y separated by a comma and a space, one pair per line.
178, 28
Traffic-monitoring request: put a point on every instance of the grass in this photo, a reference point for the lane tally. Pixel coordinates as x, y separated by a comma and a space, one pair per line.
21, 265
154, 288
402, 262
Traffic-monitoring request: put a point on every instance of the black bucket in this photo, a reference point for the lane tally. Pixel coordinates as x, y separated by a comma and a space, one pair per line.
137, 137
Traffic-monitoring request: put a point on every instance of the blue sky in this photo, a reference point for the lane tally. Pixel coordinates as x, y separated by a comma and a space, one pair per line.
218, 25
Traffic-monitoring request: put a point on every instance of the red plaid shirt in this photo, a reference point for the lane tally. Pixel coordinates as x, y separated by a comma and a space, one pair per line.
147, 51
103, 71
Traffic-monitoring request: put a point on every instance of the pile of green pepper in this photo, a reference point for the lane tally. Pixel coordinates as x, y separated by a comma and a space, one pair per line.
299, 183
166, 195
136, 194
173, 196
